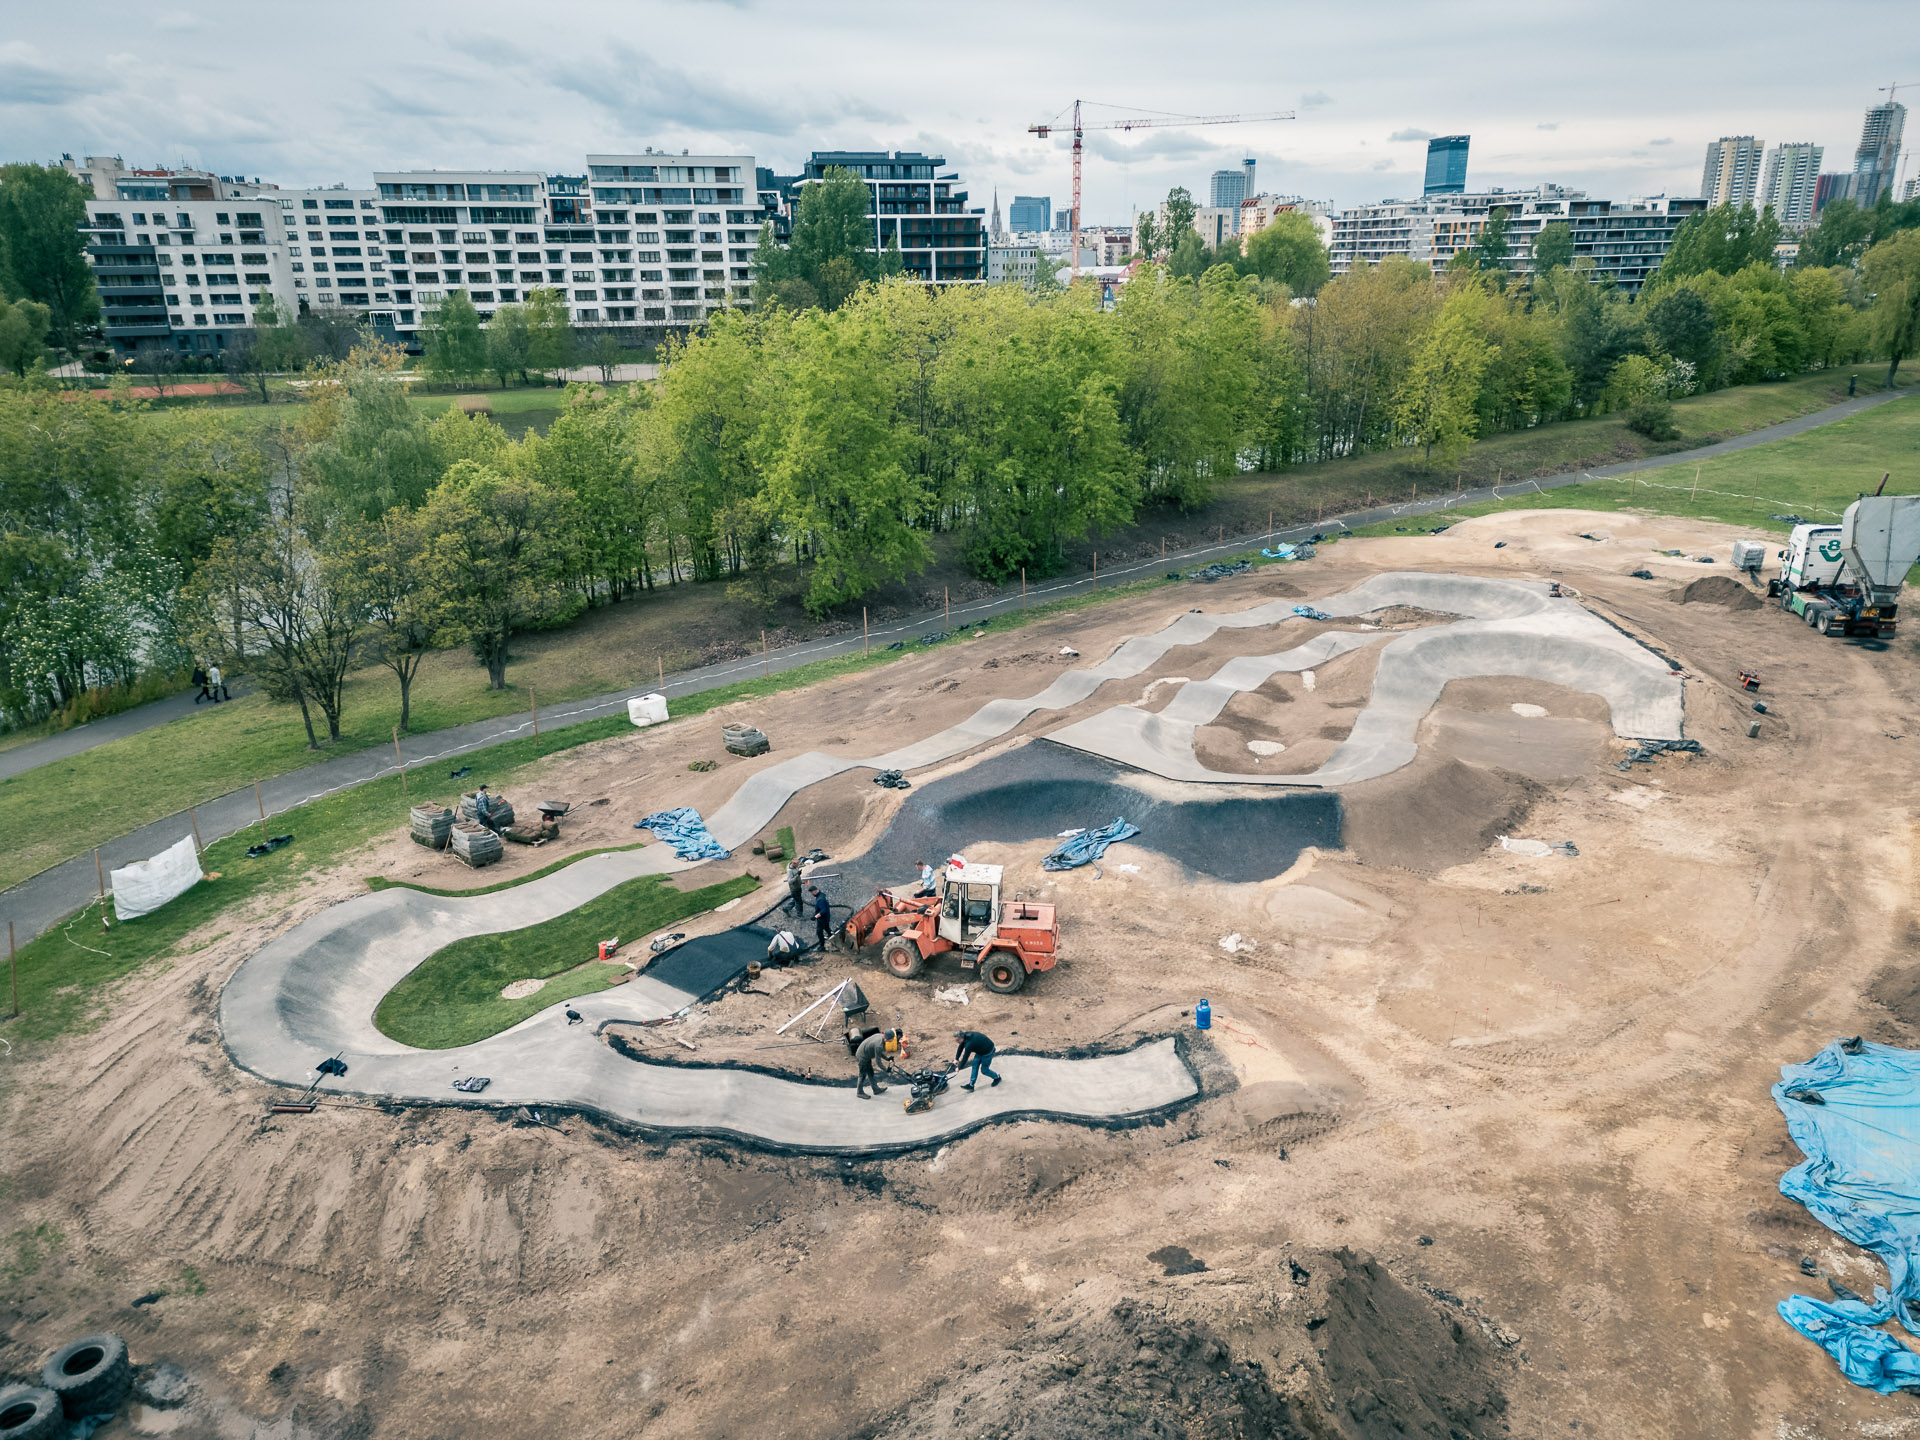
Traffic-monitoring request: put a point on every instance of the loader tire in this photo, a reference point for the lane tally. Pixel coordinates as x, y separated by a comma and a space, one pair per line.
1002, 972
29, 1412
91, 1375
903, 957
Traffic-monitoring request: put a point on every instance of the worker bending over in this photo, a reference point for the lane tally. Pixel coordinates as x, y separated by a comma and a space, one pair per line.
872, 1055
784, 948
980, 1050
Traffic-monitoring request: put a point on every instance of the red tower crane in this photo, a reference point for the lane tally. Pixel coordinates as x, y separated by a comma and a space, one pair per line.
1135, 122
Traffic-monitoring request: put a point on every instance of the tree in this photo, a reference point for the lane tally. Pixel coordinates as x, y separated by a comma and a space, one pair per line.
1847, 230
1145, 232
363, 447
606, 354
495, 546
330, 333
278, 338
1724, 239
1180, 214
1490, 245
208, 484
159, 362
509, 344
384, 564
834, 248
1289, 250
23, 332
550, 339
1435, 405
42, 250
1891, 273
591, 452
454, 347
1680, 322
1190, 259
1552, 247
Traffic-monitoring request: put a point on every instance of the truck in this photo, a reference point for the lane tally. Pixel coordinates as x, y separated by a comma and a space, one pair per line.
1005, 940
1845, 579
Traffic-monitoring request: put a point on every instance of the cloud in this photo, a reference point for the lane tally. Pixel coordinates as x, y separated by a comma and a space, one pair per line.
1411, 134
1314, 99
1146, 145
1668, 140
1378, 165
178, 21
26, 79
1548, 125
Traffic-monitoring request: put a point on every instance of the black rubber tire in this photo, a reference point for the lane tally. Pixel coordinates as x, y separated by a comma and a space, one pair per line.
1002, 973
90, 1375
1811, 615
903, 957
1825, 623
30, 1412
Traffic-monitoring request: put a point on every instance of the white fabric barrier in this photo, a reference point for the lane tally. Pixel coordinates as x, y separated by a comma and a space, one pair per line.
144, 886
647, 709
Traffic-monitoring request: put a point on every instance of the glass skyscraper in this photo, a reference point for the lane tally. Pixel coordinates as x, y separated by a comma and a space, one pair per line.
1447, 165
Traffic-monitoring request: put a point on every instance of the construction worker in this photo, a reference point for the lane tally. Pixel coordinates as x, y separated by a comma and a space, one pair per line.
926, 890
980, 1050
783, 949
794, 900
822, 915
483, 804
872, 1055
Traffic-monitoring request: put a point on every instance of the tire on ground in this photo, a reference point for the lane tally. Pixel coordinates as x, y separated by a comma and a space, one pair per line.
91, 1375
1002, 972
903, 957
30, 1412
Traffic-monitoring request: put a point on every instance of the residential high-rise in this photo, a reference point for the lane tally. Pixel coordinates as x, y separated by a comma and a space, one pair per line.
1447, 164
941, 240
1030, 214
1732, 171
1788, 182
1226, 189
1877, 158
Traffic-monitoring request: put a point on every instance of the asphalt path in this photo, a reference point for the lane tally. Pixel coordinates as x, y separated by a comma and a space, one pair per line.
40, 902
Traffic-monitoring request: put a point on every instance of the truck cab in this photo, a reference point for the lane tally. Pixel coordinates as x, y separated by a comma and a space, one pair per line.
1845, 579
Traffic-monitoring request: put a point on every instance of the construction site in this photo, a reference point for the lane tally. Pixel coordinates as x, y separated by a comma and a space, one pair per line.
1384, 954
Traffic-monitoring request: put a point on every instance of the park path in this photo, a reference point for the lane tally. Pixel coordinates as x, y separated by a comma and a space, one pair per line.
43, 900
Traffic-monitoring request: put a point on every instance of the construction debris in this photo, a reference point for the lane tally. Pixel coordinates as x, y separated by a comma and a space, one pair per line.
1085, 846
892, 780
685, 831
1219, 571
744, 740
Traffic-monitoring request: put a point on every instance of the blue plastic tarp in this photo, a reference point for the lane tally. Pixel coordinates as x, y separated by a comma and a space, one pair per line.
1861, 1179
1310, 613
1087, 846
1279, 552
686, 832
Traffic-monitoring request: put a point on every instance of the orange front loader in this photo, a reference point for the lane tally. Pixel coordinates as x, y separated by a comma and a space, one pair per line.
1006, 941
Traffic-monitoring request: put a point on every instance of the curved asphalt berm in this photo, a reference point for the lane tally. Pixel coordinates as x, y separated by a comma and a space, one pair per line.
38, 903
312, 992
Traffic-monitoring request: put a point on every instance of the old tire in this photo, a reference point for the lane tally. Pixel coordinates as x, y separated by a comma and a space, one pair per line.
903, 957
1825, 624
91, 1375
1002, 972
30, 1412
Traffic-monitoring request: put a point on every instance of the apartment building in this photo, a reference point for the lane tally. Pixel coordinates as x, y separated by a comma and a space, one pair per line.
1732, 171
1013, 262
1876, 159
1789, 181
1258, 211
912, 202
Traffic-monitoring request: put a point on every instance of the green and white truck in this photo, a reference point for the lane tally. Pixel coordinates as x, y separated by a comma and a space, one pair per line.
1845, 579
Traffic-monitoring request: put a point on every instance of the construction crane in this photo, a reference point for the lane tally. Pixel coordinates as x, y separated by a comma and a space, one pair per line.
1136, 122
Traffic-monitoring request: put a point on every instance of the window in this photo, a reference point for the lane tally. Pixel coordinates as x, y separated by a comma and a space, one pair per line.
420, 237
353, 265
585, 295
587, 315
199, 319
427, 277
431, 297
509, 294
249, 220
221, 220
174, 300
580, 275
225, 299
229, 319
338, 205
259, 277
324, 283
653, 275
473, 237
319, 265
476, 257
526, 237
648, 257
344, 250
253, 259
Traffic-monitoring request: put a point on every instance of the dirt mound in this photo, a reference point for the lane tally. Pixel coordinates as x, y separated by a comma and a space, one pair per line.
1433, 813
1319, 1345
1717, 590
1409, 615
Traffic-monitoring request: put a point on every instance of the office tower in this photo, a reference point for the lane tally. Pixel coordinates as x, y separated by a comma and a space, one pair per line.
1447, 164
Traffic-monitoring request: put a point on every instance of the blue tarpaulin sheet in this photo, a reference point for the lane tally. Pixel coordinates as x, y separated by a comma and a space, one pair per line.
1861, 1179
1087, 846
1279, 552
1310, 613
686, 832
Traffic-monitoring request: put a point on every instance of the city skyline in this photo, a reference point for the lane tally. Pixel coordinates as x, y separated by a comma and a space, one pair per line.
619, 77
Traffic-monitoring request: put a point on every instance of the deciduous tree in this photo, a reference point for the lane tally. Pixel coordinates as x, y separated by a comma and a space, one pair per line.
42, 250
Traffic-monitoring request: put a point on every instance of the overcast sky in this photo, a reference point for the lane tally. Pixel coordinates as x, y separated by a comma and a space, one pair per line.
1617, 99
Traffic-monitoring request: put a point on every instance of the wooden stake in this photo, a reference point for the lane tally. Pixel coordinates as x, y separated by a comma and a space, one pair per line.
533, 709
1269, 527
766, 657
1163, 547
1023, 587
1696, 483
100, 875
1416, 492
194, 820
262, 806
863, 630
1096, 569
663, 673
13, 969
946, 598
399, 760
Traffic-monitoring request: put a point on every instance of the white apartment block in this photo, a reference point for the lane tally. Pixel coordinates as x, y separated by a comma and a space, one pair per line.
693, 222
1791, 176
1258, 211
1013, 262
1732, 171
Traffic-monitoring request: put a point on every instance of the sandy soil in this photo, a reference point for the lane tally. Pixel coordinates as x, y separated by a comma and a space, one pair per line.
1553, 1069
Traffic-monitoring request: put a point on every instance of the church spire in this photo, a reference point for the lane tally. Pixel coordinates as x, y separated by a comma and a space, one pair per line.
996, 231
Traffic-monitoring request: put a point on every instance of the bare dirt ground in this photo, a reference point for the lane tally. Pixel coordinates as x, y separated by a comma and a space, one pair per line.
1555, 1070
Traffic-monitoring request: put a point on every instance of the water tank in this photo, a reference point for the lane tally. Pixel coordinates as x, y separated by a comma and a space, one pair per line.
647, 709
1749, 555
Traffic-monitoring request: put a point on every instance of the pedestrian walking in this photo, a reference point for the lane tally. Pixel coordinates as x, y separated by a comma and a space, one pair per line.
217, 683
796, 903
200, 679
822, 915
871, 1057
980, 1050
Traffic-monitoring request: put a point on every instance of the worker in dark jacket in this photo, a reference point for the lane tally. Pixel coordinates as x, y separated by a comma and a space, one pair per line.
871, 1056
795, 901
980, 1050
822, 915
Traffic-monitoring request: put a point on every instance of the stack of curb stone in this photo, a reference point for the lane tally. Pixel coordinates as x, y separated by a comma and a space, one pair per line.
430, 825
502, 810
475, 844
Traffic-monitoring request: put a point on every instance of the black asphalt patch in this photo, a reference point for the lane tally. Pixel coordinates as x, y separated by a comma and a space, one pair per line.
702, 965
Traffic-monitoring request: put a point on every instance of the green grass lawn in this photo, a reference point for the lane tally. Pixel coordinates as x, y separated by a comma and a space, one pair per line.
1815, 475
503, 402
453, 996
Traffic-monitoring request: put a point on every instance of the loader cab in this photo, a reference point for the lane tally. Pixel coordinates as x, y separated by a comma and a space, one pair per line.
969, 903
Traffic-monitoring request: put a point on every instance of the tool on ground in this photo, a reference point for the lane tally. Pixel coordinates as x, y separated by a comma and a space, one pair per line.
846, 995
608, 946
924, 1087
1006, 940
1749, 680
1845, 579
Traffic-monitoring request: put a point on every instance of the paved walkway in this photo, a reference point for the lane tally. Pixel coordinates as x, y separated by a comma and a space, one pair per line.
38, 903
81, 738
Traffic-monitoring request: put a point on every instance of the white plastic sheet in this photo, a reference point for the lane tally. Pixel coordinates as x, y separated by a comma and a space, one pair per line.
144, 886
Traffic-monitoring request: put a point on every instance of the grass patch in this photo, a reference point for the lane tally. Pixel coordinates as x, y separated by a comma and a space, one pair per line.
784, 835
453, 996
381, 882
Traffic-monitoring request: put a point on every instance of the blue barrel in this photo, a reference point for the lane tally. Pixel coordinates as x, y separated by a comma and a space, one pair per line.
1203, 1016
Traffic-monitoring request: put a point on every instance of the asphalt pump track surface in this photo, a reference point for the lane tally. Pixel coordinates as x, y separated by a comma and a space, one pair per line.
312, 991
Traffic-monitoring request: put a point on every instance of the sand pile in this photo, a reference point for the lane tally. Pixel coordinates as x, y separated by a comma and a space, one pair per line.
1309, 1344
1433, 813
1718, 590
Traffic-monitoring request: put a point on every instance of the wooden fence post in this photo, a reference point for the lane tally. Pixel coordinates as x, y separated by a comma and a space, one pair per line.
194, 820
766, 658
864, 647
533, 709
261, 805
400, 760
13, 970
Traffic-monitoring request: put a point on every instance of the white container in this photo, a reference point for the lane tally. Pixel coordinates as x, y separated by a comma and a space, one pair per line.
1749, 554
647, 709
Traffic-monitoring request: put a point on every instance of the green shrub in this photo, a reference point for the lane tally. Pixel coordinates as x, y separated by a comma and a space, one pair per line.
1652, 418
